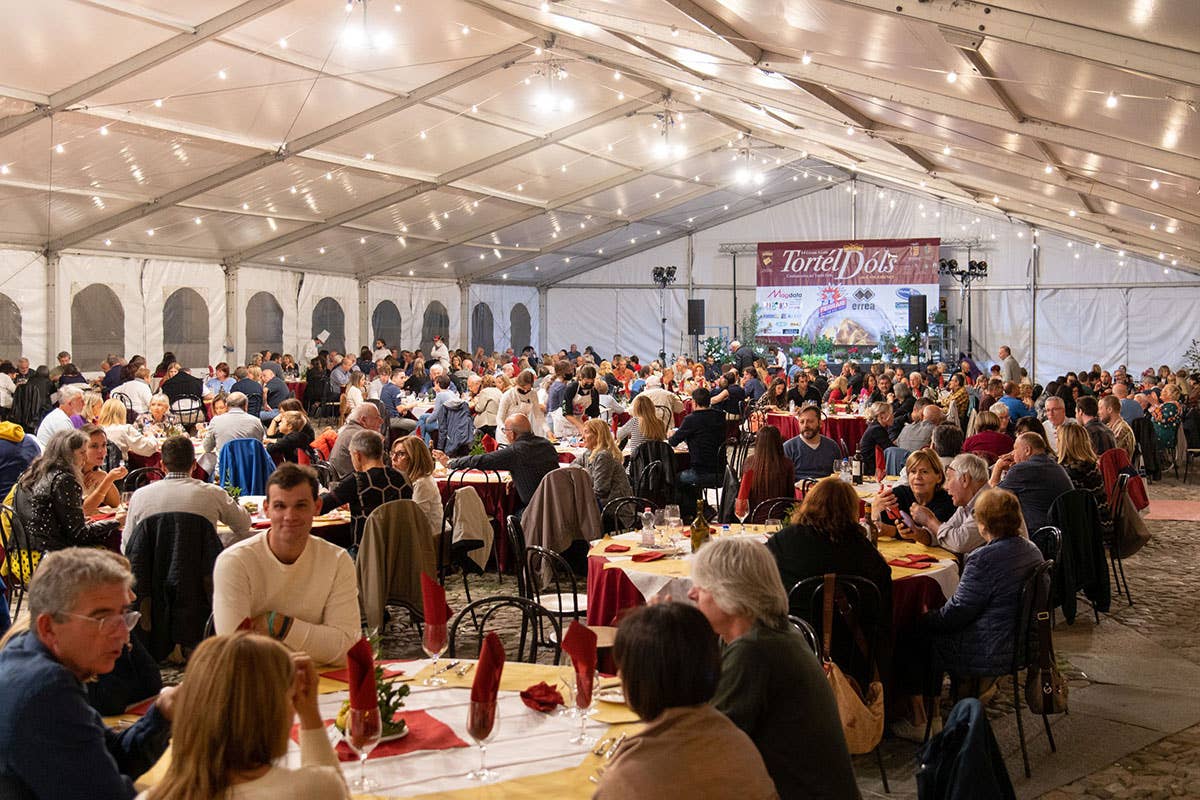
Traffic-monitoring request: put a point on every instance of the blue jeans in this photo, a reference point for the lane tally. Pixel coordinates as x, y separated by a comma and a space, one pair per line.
427, 422
267, 416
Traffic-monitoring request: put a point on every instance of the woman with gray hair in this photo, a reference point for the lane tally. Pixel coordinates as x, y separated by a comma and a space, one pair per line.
772, 686
48, 497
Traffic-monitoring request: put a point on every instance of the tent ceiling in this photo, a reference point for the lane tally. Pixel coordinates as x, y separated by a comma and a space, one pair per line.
396, 138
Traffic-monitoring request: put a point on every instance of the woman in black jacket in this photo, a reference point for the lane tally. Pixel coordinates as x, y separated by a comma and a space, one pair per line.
876, 435
49, 498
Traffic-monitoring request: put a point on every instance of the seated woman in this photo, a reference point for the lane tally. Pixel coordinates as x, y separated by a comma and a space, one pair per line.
92, 401
250, 683
604, 462
71, 374
876, 436
126, 437
291, 370
972, 632
924, 488
369, 486
957, 402
293, 434
158, 419
412, 459
769, 472
418, 382
220, 382
484, 402
870, 388
646, 422
775, 398
839, 391
220, 404
1031, 425
353, 397
1079, 459
772, 685
48, 497
669, 664
99, 487
1166, 416
988, 441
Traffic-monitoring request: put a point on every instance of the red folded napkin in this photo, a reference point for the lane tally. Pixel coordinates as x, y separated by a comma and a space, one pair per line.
261, 525
360, 668
921, 557
652, 555
424, 733
616, 547
579, 642
488, 670
433, 596
100, 517
542, 697
902, 562
343, 674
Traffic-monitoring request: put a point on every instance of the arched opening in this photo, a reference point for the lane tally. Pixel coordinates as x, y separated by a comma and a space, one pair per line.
10, 329
185, 328
520, 328
328, 316
482, 326
436, 321
97, 326
385, 324
264, 324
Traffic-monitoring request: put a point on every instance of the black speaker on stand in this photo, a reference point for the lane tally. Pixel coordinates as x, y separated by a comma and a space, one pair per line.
918, 321
695, 321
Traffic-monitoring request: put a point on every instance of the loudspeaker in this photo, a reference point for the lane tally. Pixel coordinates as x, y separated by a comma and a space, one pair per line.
695, 317
917, 319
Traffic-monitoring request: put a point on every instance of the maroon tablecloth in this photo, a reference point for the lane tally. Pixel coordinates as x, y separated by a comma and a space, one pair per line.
297, 388
499, 499
849, 429
787, 424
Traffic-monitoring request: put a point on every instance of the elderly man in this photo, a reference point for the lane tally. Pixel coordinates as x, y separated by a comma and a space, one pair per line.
1033, 476
528, 457
1087, 412
340, 376
70, 401
1130, 409
179, 491
661, 397
1056, 415
1010, 370
24, 372
812, 454
53, 744
64, 358
1110, 415
236, 423
292, 586
365, 417
919, 434
916, 384
966, 477
275, 391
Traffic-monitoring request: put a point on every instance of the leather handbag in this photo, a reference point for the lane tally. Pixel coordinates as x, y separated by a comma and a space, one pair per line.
861, 714
1045, 687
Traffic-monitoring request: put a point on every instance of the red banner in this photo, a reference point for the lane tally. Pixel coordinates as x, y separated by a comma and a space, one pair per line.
857, 262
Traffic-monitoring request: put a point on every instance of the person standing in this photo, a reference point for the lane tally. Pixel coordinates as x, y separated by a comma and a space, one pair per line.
1010, 370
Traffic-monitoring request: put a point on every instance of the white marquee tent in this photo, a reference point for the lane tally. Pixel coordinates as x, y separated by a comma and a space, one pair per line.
214, 176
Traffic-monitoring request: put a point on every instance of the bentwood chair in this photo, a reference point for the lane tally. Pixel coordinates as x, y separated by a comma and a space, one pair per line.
21, 557
539, 628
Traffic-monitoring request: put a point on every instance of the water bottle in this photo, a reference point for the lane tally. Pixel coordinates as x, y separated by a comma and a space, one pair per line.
647, 528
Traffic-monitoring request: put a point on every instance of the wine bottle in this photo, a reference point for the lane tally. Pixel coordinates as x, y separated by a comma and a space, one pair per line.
856, 470
701, 530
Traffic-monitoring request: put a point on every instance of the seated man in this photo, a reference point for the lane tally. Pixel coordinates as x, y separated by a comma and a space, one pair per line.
804, 392
1012, 401
292, 586
1130, 409
70, 401
249, 383
275, 391
179, 491
180, 383
1087, 411
52, 743
966, 477
398, 412
527, 457
363, 418
729, 394
704, 432
918, 434
661, 397
1033, 476
811, 453
1056, 415
235, 423
446, 390
1110, 415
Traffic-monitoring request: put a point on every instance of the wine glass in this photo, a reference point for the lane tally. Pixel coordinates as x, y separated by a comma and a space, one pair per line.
773, 525
481, 725
125, 499
741, 510
585, 683
363, 730
566, 676
433, 642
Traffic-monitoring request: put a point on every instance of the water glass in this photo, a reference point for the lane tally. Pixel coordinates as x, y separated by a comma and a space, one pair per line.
585, 699
433, 642
363, 730
482, 719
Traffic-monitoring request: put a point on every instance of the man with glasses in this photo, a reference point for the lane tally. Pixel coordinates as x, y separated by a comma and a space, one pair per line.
52, 743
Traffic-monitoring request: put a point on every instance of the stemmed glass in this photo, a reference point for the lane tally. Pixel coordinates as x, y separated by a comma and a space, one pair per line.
583, 709
566, 675
741, 510
433, 642
363, 730
481, 725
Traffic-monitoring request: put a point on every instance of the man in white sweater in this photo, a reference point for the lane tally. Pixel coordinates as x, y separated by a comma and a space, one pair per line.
292, 586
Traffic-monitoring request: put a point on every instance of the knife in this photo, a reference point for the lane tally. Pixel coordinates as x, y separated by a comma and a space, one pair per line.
446, 668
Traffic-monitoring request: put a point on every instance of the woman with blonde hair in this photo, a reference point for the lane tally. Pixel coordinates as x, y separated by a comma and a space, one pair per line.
92, 402
112, 419
412, 459
604, 462
352, 398
645, 424
233, 716
1078, 458
294, 435
926, 477
838, 391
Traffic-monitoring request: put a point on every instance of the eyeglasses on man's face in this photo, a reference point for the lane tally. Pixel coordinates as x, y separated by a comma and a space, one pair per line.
112, 624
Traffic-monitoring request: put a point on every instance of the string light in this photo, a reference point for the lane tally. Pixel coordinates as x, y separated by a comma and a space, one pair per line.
104, 131
1154, 184
1048, 168
150, 232
58, 148
4, 170
1111, 100
158, 103
946, 150
951, 76
466, 30
283, 44
806, 59
321, 250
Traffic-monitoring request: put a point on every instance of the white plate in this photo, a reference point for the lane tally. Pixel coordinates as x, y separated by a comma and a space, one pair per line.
613, 694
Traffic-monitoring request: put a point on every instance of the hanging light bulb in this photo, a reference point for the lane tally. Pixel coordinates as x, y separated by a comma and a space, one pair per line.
1154, 184
951, 76
1110, 101
806, 59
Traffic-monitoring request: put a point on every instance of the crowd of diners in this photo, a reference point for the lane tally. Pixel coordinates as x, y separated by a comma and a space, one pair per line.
985, 453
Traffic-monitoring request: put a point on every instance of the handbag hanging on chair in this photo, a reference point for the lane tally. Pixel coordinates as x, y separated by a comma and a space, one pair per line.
1045, 687
861, 715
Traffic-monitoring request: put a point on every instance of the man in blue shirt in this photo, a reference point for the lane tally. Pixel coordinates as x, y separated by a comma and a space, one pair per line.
445, 391
1130, 409
753, 386
52, 743
395, 410
1012, 400
811, 453
113, 378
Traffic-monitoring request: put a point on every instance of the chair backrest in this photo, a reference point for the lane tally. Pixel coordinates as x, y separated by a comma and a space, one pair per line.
246, 464
808, 632
396, 547
189, 409
664, 413
516, 543
553, 577
1036, 599
140, 477
1191, 428
772, 508
857, 620
621, 514
1049, 540
538, 626
112, 457
22, 559
740, 447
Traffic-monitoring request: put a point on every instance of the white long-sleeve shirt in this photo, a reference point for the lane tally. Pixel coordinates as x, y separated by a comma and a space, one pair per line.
319, 591
513, 402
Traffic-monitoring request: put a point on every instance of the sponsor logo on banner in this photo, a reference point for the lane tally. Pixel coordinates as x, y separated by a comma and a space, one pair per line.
832, 301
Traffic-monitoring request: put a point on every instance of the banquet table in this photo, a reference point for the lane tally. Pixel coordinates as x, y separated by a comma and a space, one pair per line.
498, 493
335, 527
530, 749
297, 388
848, 428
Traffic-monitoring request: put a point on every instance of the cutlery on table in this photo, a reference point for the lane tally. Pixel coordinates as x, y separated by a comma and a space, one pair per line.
449, 666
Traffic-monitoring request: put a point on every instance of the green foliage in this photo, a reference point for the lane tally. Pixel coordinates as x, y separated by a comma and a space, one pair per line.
390, 694
906, 344
747, 330
233, 491
1191, 357
716, 347
477, 445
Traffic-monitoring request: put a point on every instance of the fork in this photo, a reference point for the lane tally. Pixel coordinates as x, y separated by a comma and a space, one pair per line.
464, 669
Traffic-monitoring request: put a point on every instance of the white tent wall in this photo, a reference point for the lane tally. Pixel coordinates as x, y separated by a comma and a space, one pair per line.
501, 299
315, 287
161, 279
411, 299
74, 274
284, 286
23, 280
